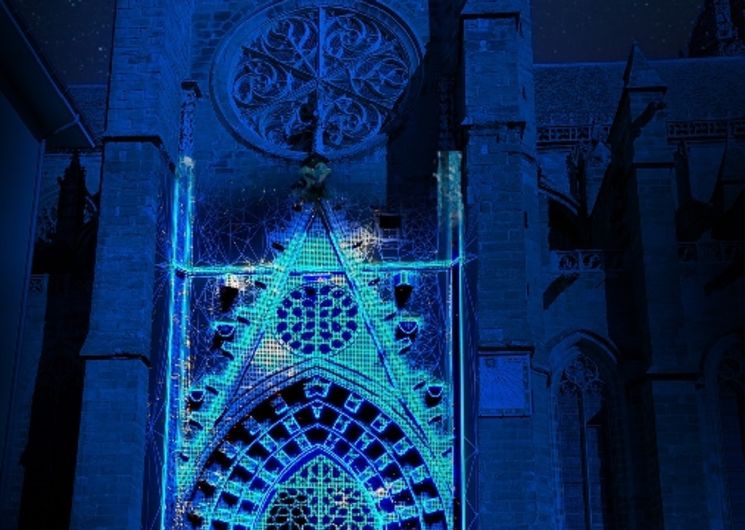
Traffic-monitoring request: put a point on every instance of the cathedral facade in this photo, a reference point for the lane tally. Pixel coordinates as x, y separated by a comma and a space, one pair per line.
319, 264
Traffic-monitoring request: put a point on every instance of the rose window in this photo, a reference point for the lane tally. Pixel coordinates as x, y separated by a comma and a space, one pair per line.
317, 318
321, 79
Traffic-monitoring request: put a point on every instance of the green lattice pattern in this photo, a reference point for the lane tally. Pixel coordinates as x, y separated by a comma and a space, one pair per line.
321, 496
233, 453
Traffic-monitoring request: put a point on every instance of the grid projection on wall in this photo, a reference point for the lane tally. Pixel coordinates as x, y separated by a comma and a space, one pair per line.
312, 388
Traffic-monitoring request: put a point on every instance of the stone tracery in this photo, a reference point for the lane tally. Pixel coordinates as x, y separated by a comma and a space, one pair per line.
322, 78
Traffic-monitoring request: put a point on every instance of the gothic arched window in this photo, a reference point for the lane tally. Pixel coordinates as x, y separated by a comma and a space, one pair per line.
731, 398
583, 446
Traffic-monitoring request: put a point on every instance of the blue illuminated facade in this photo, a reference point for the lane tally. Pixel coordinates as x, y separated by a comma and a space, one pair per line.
330, 265
319, 374
310, 329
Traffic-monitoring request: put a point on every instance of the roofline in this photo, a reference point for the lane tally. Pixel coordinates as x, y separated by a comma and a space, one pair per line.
35, 92
580, 63
670, 60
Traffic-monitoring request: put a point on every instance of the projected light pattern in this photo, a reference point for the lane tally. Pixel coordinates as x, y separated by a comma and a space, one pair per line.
317, 317
320, 370
307, 362
321, 495
309, 423
236, 228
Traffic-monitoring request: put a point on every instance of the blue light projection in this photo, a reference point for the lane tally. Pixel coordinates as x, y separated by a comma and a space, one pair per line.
317, 317
312, 353
268, 383
315, 360
320, 495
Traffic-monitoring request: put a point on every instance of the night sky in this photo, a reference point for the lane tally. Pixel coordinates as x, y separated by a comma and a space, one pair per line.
603, 30
75, 35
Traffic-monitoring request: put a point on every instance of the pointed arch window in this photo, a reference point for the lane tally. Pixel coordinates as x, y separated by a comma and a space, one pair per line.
584, 446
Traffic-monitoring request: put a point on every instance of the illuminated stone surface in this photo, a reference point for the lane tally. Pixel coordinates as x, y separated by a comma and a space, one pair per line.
323, 78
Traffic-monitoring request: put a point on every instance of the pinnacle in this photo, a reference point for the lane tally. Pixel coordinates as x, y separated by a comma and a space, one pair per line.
639, 73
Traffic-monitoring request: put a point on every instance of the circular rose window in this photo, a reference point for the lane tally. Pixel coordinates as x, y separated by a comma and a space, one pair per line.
323, 78
317, 318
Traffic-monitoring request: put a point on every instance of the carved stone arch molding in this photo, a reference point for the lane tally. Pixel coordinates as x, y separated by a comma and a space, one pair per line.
583, 370
585, 361
323, 76
561, 350
349, 451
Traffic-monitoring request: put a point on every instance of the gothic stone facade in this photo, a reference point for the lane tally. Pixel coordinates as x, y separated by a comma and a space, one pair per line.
532, 278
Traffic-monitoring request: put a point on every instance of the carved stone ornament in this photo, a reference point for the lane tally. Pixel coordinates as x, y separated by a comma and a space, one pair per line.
320, 77
581, 376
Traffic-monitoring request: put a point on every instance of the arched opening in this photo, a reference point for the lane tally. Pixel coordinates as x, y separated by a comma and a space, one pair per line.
566, 228
313, 443
320, 495
589, 438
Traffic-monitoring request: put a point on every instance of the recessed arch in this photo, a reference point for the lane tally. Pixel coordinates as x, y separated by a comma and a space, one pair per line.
588, 435
321, 494
315, 417
308, 372
558, 351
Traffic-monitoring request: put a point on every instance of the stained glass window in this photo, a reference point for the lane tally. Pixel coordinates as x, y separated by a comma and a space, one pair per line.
584, 446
